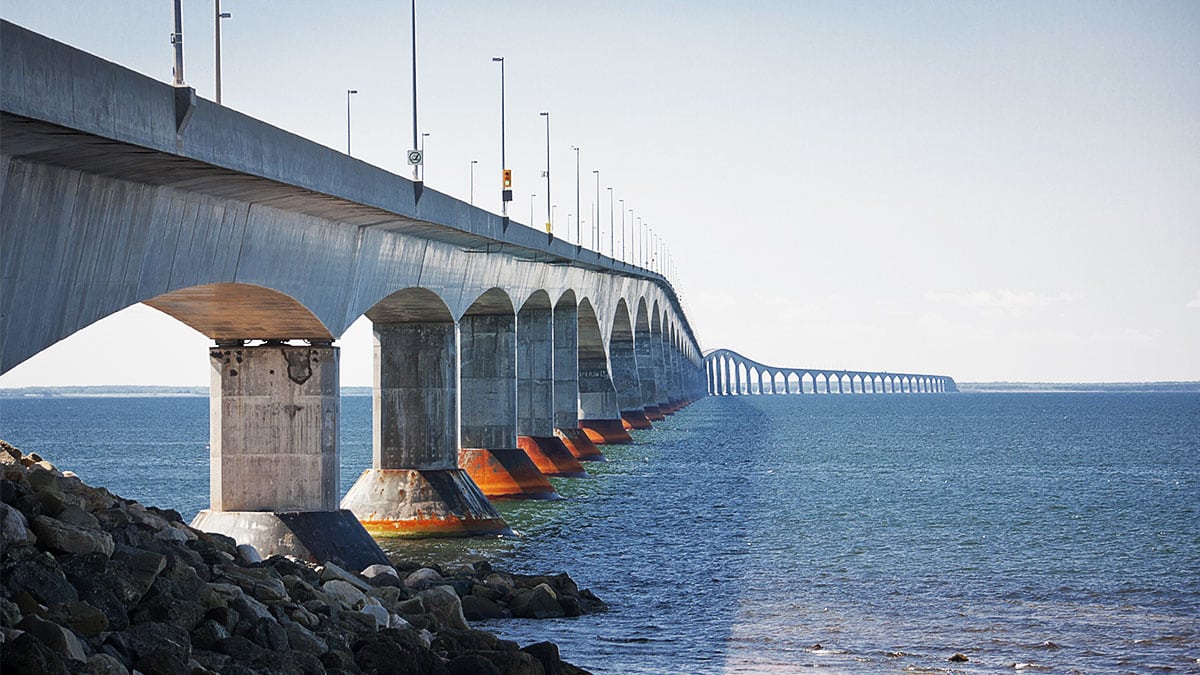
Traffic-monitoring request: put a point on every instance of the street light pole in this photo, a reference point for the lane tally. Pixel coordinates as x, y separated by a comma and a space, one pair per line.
596, 222
417, 165
217, 38
578, 213
424, 134
549, 210
531, 198
612, 237
506, 182
622, 228
633, 242
473, 163
348, 93
177, 41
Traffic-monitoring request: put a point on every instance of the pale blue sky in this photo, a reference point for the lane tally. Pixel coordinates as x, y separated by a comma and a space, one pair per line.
995, 191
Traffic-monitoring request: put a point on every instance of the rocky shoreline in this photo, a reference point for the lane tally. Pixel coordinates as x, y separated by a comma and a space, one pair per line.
93, 583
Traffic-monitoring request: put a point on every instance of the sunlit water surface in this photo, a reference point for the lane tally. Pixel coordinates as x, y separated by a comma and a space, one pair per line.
770, 534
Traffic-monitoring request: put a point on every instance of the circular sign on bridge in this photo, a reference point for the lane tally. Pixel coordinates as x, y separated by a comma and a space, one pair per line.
414, 156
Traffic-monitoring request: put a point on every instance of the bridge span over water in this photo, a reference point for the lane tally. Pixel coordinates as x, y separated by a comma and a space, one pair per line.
730, 374
501, 353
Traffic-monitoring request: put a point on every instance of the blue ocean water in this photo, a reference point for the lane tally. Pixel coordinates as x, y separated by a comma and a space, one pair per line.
776, 533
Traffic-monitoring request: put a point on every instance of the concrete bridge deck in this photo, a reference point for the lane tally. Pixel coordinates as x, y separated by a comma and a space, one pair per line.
490, 336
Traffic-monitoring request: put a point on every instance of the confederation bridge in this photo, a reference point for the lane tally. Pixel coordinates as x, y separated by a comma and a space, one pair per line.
502, 354
731, 374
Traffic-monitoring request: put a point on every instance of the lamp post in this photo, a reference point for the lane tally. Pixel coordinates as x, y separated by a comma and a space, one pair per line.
473, 163
549, 210
612, 237
578, 213
177, 42
596, 221
622, 228
506, 177
416, 165
424, 135
348, 93
217, 39
633, 242
531, 198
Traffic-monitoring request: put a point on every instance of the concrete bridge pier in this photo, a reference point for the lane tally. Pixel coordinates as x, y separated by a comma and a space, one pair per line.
658, 412
273, 422
566, 383
415, 487
623, 358
643, 352
599, 412
535, 392
488, 420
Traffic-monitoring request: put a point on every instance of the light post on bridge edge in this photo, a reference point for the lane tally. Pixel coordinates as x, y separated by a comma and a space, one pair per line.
473, 163
578, 213
506, 174
549, 210
415, 156
424, 135
612, 237
348, 94
217, 46
622, 202
596, 220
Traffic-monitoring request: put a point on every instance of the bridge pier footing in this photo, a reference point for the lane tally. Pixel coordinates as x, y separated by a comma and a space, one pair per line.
273, 418
654, 413
415, 487
551, 456
605, 432
635, 419
580, 445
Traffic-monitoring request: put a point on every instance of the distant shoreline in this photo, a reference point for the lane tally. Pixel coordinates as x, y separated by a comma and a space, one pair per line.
114, 391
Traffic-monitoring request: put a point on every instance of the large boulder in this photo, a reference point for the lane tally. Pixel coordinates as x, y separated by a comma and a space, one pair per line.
443, 603
61, 537
539, 602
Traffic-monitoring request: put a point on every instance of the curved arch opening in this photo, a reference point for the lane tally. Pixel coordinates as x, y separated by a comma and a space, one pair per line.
235, 311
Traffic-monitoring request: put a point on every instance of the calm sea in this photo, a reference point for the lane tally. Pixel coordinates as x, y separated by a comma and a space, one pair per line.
772, 534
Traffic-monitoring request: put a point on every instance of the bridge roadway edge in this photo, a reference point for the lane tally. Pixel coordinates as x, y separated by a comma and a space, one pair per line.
133, 211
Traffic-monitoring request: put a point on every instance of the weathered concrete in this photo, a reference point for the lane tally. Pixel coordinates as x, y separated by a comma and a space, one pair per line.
566, 382
414, 486
273, 463
535, 370
644, 353
488, 373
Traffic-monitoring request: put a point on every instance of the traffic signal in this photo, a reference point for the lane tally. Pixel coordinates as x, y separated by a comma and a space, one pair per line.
507, 178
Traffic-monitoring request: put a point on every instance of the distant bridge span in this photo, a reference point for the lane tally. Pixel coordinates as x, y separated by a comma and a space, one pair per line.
731, 374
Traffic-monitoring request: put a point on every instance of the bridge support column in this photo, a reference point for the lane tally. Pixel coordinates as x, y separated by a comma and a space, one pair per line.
599, 415
626, 382
415, 488
535, 396
488, 374
273, 420
566, 384
644, 353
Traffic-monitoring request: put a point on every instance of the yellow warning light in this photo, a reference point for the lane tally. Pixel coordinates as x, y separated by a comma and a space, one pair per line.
508, 178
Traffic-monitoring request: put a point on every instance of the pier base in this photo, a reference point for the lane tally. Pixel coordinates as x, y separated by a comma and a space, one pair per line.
580, 445
315, 536
422, 503
654, 414
635, 419
551, 456
606, 431
505, 473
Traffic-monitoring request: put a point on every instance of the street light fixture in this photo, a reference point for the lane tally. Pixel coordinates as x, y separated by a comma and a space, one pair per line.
531, 198
596, 221
622, 228
473, 163
217, 38
506, 175
578, 213
420, 157
611, 236
549, 210
348, 93
424, 135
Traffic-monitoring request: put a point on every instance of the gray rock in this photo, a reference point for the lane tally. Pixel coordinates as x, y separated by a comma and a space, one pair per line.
147, 639
62, 640
27, 654
476, 608
539, 602
82, 618
14, 529
443, 603
547, 654
55, 535
349, 596
378, 570
105, 664
331, 571
303, 640
264, 583
382, 616
248, 554
423, 578
76, 516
